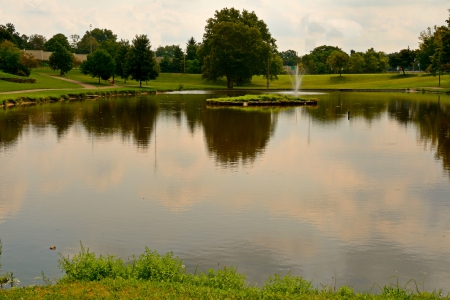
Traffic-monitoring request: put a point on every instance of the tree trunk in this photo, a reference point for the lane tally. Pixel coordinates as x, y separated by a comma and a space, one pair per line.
229, 83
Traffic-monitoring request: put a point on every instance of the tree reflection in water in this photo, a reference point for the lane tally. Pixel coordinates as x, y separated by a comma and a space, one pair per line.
232, 135
237, 135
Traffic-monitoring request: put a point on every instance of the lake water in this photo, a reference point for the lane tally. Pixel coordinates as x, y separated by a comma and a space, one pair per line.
309, 190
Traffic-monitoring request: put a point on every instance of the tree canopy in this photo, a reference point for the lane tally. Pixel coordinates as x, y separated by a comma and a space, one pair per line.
99, 64
36, 42
61, 59
10, 57
140, 63
403, 59
236, 46
289, 57
337, 61
60, 39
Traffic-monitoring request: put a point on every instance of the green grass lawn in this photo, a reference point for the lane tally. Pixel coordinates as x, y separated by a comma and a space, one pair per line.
43, 82
168, 81
347, 81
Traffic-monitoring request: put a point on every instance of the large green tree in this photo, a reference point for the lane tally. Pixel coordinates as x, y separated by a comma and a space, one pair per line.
375, 61
356, 62
289, 57
8, 32
235, 46
140, 62
177, 63
191, 49
9, 57
99, 64
102, 35
86, 43
61, 59
124, 47
60, 39
338, 60
316, 61
36, 42
165, 51
403, 59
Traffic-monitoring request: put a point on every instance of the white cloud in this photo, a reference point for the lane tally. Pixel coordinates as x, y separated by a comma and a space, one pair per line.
350, 24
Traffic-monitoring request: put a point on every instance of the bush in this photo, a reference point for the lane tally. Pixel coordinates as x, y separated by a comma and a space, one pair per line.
277, 287
22, 69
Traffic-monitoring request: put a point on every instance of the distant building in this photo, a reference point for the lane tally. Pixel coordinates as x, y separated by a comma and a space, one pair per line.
45, 55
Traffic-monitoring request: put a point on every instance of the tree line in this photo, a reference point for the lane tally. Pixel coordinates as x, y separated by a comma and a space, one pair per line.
236, 45
432, 56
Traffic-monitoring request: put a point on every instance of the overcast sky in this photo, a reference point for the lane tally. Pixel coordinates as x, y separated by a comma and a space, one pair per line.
386, 25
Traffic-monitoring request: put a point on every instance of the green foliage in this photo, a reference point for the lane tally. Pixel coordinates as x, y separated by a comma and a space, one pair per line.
277, 287
165, 64
103, 35
22, 70
36, 42
61, 59
8, 32
262, 97
120, 58
356, 63
165, 51
236, 46
86, 43
61, 39
191, 49
5, 35
192, 66
140, 63
289, 57
337, 61
85, 266
28, 60
10, 57
99, 64
404, 59
316, 61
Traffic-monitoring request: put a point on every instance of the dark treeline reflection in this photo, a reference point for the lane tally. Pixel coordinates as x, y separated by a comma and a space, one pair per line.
429, 113
433, 122
335, 107
129, 117
232, 135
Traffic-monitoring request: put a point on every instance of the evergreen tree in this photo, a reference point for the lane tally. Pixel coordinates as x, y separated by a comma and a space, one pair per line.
61, 59
140, 62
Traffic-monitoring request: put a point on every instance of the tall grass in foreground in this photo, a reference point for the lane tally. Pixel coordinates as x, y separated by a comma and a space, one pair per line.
168, 272
154, 276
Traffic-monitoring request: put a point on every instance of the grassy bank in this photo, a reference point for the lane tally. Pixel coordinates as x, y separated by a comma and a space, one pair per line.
50, 86
62, 95
155, 276
347, 81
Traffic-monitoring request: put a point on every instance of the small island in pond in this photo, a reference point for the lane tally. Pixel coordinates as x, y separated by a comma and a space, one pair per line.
262, 100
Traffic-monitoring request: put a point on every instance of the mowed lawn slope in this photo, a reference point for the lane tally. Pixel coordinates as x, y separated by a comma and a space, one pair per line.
49, 79
43, 82
172, 81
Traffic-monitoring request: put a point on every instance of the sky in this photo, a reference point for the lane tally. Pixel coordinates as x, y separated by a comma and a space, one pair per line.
385, 25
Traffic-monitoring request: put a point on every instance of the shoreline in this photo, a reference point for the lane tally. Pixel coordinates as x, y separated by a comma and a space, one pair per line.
78, 94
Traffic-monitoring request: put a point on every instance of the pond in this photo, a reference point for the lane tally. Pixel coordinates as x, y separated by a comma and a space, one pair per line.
339, 198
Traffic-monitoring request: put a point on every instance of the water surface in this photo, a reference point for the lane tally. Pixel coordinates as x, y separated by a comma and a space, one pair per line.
359, 197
